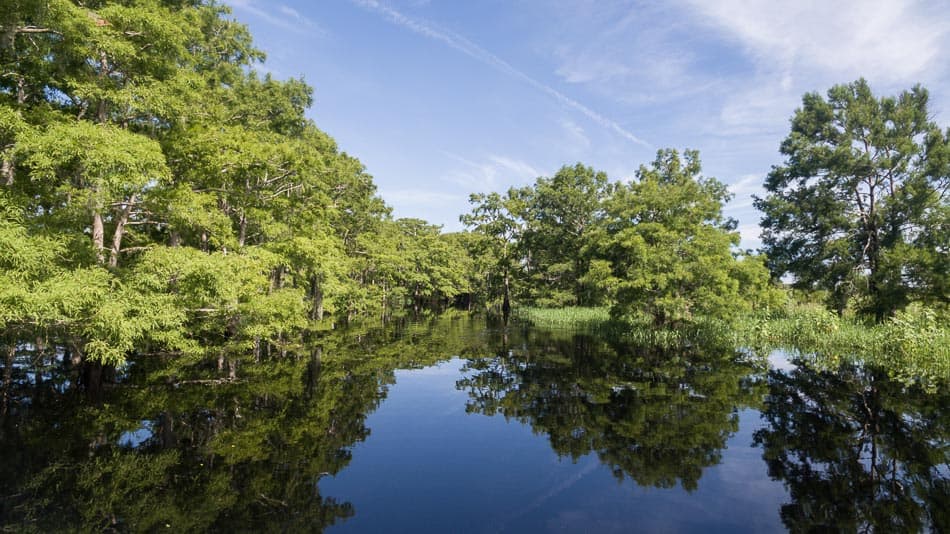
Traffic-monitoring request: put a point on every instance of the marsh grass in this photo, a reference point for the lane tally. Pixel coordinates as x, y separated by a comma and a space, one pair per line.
574, 318
598, 321
913, 346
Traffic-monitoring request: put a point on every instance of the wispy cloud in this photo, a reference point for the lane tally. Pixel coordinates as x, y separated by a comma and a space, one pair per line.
750, 183
489, 174
751, 235
743, 189
471, 49
419, 197
884, 40
284, 17
294, 14
794, 47
632, 52
576, 136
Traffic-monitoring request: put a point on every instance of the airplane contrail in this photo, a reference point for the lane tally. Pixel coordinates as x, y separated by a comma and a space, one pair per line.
475, 51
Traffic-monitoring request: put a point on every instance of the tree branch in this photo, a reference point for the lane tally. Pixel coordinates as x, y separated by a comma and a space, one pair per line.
35, 29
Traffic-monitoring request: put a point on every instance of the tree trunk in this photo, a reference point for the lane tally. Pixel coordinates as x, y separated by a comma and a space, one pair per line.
313, 369
242, 230
506, 303
166, 431
8, 39
98, 237
316, 297
7, 172
20, 91
278, 281
174, 239
92, 380
102, 113
120, 231
7, 377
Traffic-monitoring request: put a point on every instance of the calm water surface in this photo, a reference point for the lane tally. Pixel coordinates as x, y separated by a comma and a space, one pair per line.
451, 425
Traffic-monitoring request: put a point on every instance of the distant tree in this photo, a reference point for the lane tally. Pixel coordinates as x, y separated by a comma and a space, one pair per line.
498, 220
670, 249
859, 207
414, 263
560, 214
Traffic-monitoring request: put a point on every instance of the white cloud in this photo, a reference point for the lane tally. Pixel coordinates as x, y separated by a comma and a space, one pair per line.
884, 40
795, 47
760, 107
471, 49
634, 53
751, 236
750, 183
294, 14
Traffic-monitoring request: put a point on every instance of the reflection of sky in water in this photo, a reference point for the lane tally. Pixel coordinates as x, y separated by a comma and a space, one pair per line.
780, 360
133, 438
430, 466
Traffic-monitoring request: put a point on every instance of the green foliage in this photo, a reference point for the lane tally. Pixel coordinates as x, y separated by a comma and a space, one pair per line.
560, 214
496, 221
165, 453
855, 450
658, 417
671, 250
656, 250
158, 195
858, 208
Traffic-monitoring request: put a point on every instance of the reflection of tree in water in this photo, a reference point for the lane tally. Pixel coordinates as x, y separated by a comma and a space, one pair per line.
225, 457
241, 456
658, 417
858, 452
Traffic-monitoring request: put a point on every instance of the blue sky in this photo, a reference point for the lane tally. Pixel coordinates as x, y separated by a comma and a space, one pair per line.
442, 98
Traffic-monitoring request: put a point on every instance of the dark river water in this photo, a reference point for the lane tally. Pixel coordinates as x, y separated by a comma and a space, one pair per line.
455, 425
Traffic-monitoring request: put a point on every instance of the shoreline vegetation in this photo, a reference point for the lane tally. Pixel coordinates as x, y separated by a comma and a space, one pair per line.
913, 346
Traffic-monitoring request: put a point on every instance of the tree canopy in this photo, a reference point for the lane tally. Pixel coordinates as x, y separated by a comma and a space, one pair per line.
656, 249
146, 165
859, 207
